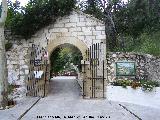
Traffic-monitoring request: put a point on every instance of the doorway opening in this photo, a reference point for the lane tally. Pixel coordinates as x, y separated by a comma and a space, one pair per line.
65, 65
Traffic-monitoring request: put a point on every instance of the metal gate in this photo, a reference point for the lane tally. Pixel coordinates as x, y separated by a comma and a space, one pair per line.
93, 70
38, 78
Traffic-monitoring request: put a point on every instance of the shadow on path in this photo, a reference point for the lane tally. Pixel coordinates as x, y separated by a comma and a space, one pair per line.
60, 88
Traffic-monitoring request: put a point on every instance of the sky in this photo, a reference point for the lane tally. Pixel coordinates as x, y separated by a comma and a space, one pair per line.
24, 2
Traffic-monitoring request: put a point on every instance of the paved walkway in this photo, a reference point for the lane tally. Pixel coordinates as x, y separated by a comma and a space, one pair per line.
143, 112
149, 99
64, 103
21, 107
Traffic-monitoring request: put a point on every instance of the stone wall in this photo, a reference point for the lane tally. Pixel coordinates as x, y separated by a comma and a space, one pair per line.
147, 66
78, 29
18, 66
77, 25
153, 67
82, 31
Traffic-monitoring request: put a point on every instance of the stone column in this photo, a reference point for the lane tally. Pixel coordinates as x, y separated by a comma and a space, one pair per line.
3, 68
3, 71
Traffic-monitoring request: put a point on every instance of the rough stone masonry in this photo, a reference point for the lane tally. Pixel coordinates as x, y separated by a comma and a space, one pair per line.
78, 29
147, 66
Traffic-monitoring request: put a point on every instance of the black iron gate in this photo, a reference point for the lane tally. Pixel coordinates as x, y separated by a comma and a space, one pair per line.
93, 69
38, 78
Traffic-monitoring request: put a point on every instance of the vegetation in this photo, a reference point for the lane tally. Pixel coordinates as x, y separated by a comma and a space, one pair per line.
149, 85
10, 88
132, 26
123, 83
8, 46
64, 56
25, 21
145, 84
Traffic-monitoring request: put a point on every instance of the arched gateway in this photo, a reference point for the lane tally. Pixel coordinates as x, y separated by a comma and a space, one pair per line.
78, 29
64, 40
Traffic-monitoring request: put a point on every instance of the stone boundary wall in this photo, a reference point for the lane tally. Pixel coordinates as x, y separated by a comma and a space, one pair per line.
17, 65
147, 66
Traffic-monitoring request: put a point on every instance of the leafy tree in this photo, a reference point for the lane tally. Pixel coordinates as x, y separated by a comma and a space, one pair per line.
14, 15
64, 56
102, 9
36, 15
125, 20
135, 19
92, 7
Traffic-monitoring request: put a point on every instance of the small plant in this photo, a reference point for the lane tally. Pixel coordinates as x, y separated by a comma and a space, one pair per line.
145, 84
11, 103
123, 83
135, 84
10, 88
149, 85
8, 46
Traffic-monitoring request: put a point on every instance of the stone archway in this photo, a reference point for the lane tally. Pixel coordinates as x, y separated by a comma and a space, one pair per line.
63, 40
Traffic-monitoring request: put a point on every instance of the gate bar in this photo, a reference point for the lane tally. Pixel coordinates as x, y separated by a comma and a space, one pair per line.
83, 80
92, 67
94, 63
103, 79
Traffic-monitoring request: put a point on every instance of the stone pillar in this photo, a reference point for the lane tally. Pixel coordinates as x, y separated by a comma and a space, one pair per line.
3, 68
3, 71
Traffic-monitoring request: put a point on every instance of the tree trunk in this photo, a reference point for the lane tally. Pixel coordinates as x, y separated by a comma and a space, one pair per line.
3, 68
110, 30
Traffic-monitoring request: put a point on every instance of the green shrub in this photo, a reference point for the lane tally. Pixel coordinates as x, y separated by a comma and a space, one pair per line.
149, 85
123, 83
8, 46
145, 84
10, 88
145, 43
150, 44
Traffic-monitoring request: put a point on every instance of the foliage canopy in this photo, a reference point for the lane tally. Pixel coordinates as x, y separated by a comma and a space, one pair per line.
64, 55
25, 21
131, 26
